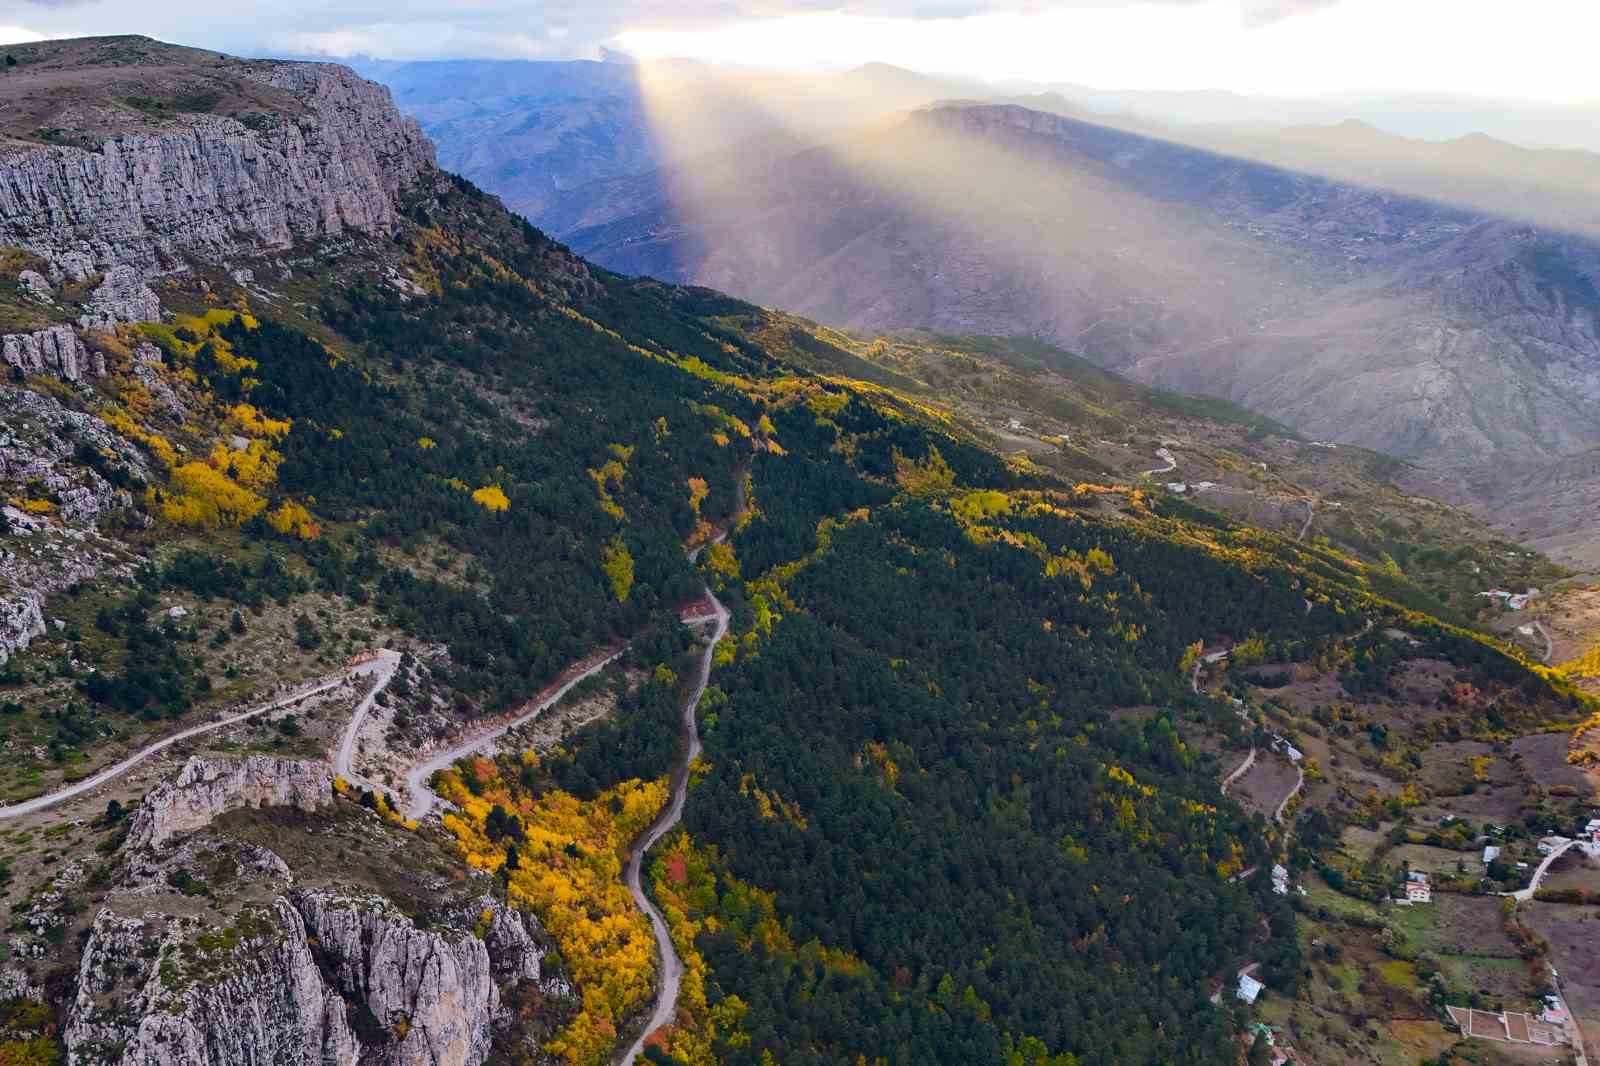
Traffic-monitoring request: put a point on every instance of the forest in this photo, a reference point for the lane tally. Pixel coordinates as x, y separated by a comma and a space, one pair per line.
946, 810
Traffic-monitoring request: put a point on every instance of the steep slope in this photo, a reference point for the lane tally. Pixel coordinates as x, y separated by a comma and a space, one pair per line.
1465, 342
959, 799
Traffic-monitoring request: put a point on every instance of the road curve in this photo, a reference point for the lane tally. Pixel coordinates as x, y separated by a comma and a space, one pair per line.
1243, 768
421, 799
89, 784
384, 666
1166, 456
1311, 512
666, 1007
1549, 643
1299, 783
1522, 895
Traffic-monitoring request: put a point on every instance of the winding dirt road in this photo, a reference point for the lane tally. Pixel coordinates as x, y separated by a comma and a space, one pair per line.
1243, 768
422, 800
110, 773
1311, 512
1549, 642
384, 666
1522, 895
666, 1007
1166, 456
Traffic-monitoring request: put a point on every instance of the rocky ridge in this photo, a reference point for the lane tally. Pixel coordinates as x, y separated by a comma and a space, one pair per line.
209, 186
207, 788
297, 975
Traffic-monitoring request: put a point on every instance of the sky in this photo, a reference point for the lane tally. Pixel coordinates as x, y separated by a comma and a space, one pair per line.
1534, 50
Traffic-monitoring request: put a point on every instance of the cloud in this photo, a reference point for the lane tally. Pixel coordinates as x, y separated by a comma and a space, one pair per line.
510, 28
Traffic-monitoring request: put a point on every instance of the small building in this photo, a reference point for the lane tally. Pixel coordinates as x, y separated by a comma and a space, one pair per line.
1249, 988
1418, 890
1490, 854
1280, 879
1555, 1011
1178, 487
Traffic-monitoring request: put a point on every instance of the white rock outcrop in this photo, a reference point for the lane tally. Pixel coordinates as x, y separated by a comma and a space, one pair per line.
122, 296
208, 787
37, 286
55, 351
279, 986
210, 186
255, 997
438, 987
21, 622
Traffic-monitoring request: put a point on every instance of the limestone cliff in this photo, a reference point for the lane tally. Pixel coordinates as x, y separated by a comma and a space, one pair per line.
250, 992
206, 788
434, 989
282, 983
331, 158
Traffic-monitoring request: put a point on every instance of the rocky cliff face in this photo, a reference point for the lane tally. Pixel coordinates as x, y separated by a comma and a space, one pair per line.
280, 984
245, 994
291, 975
56, 545
434, 989
56, 352
206, 788
205, 185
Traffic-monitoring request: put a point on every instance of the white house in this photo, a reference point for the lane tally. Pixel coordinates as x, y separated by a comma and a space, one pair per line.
1177, 486
1417, 888
1249, 988
1490, 854
1280, 879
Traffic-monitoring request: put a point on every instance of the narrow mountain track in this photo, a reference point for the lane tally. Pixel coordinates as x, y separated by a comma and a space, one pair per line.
111, 773
666, 1006
1549, 642
1242, 769
1299, 783
1522, 895
421, 800
1311, 513
385, 664
1166, 456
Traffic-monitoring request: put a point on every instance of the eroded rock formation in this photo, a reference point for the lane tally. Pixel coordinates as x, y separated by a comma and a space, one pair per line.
210, 186
206, 788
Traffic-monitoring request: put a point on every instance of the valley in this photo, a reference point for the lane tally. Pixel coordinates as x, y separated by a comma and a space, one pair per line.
421, 644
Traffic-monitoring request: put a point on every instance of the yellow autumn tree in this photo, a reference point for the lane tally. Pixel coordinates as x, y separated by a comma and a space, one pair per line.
255, 467
204, 497
252, 423
569, 873
293, 518
617, 562
491, 498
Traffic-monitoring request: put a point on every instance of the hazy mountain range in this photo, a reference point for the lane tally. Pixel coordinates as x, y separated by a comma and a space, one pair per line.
1433, 299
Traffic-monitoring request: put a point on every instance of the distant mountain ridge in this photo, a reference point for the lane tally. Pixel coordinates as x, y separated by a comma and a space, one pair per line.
1462, 340
534, 131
